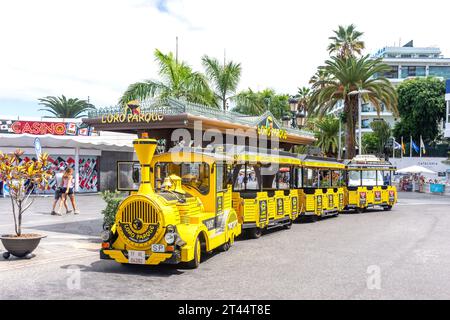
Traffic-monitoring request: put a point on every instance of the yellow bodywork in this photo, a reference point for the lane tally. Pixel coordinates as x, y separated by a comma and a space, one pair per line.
145, 216
363, 197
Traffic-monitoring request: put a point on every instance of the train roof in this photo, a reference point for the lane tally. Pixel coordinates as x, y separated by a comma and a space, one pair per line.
239, 153
321, 162
368, 162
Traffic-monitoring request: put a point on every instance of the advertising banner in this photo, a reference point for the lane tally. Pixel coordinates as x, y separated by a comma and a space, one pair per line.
43, 127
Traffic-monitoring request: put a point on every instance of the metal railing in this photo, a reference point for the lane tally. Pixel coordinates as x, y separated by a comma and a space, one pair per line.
173, 106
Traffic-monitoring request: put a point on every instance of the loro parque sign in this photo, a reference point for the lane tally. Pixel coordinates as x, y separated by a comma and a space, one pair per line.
132, 113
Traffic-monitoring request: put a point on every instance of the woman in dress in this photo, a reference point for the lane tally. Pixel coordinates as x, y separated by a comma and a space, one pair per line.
67, 190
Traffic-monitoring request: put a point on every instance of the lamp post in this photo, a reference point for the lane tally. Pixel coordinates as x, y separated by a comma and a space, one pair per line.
296, 119
359, 92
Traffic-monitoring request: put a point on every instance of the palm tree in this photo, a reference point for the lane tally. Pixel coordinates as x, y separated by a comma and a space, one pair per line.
248, 102
346, 42
383, 131
326, 133
178, 80
303, 96
347, 75
256, 103
225, 78
61, 107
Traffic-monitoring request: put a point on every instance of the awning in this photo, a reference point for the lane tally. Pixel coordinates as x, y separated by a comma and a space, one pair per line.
107, 142
416, 169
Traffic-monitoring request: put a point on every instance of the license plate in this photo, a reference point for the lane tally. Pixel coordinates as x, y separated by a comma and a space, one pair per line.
158, 248
136, 257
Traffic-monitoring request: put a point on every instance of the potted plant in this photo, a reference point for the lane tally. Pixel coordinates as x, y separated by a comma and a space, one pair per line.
22, 177
113, 200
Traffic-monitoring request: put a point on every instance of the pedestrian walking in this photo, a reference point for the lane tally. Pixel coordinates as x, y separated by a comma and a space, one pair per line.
58, 192
67, 191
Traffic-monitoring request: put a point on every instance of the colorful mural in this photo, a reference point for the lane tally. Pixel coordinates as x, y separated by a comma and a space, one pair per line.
88, 171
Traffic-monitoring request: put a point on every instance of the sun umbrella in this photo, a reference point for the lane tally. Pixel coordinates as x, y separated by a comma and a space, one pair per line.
415, 169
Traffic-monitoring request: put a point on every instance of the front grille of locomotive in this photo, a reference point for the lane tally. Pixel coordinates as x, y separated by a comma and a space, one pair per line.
142, 210
139, 222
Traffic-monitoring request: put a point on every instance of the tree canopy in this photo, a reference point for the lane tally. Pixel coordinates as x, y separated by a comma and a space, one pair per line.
421, 104
177, 79
61, 107
257, 102
224, 78
345, 76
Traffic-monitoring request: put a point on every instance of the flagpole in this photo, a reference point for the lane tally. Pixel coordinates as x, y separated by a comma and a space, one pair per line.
401, 153
410, 146
393, 148
420, 149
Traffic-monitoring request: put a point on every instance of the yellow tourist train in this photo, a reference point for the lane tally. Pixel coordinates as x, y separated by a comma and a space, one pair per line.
190, 201
369, 184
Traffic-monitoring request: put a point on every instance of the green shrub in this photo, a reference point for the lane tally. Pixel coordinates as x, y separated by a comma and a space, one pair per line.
112, 199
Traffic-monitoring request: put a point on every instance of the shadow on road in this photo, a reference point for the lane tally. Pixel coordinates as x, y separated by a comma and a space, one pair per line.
87, 228
105, 266
367, 211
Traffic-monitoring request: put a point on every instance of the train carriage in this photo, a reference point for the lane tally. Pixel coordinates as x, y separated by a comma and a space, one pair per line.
322, 191
265, 194
369, 183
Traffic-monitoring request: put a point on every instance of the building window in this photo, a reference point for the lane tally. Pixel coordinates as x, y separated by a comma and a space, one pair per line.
365, 124
413, 71
443, 71
392, 74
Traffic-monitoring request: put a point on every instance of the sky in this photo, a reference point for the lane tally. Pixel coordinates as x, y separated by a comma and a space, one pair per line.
96, 48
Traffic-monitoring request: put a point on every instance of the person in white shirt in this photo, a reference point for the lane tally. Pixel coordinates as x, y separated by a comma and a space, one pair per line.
58, 190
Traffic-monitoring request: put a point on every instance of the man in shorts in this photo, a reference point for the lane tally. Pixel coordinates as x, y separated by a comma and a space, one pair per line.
58, 190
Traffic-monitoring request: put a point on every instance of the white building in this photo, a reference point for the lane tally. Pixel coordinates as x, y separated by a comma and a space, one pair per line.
406, 62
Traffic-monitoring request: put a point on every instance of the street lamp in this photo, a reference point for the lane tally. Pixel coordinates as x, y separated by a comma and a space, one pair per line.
296, 119
359, 92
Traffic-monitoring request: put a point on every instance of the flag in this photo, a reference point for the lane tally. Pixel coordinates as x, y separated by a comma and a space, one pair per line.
397, 145
422, 146
415, 147
403, 147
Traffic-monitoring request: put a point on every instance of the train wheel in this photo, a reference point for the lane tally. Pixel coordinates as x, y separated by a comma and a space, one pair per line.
387, 208
193, 264
226, 246
289, 225
255, 233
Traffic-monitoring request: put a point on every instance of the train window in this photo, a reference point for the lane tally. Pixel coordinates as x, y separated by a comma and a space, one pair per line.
354, 178
299, 178
246, 178
282, 179
195, 175
386, 178
379, 178
310, 178
128, 175
222, 176
325, 179
369, 178
337, 178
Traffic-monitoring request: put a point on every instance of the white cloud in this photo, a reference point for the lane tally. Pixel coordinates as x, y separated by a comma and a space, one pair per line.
97, 47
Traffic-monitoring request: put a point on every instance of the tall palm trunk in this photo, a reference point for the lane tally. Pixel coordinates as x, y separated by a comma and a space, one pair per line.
350, 143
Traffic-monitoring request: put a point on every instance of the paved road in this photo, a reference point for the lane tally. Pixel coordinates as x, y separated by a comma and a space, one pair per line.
402, 254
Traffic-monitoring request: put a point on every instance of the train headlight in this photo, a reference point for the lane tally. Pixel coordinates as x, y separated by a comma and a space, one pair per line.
105, 235
169, 237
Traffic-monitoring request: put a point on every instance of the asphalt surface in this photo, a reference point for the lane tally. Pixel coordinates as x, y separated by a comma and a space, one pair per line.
401, 254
